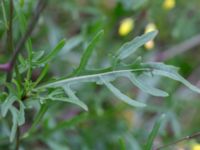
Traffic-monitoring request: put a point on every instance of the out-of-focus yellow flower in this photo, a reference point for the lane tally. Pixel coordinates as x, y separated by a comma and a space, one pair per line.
126, 26
150, 27
169, 4
196, 147
149, 45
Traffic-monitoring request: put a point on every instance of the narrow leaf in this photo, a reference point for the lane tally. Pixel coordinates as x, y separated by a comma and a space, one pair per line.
146, 87
14, 113
154, 132
121, 96
177, 77
67, 123
170, 72
88, 52
122, 144
71, 44
21, 114
52, 54
74, 98
7, 104
42, 74
37, 119
130, 47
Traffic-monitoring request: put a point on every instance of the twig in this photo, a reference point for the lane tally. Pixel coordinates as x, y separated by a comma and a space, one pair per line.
8, 67
195, 135
178, 49
17, 138
39, 8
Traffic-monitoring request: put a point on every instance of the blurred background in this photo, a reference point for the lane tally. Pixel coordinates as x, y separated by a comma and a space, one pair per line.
108, 121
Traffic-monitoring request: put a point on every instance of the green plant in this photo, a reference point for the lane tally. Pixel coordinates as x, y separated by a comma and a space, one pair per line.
21, 94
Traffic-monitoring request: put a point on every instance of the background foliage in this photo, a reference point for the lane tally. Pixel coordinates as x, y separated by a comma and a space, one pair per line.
80, 40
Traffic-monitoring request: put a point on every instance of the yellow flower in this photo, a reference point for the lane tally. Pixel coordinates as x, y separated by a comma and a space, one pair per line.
196, 147
149, 45
150, 27
126, 26
169, 4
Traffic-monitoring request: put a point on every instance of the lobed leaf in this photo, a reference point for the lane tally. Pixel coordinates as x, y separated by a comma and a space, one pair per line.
170, 72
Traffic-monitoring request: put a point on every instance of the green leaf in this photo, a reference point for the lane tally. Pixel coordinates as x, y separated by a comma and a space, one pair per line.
74, 99
42, 74
170, 72
14, 113
67, 123
88, 52
37, 55
130, 47
7, 104
154, 132
21, 114
122, 144
121, 96
52, 54
37, 119
90, 78
146, 87
71, 44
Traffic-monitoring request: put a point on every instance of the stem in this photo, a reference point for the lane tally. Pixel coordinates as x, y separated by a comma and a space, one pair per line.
8, 67
195, 135
17, 138
178, 49
39, 8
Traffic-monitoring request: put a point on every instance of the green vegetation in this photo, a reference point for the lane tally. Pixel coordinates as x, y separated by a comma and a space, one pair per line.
97, 75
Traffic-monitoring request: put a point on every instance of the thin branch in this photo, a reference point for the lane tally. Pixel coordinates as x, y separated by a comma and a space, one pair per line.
195, 135
39, 8
178, 49
17, 138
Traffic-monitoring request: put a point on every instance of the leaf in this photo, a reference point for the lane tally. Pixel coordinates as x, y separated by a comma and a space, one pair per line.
70, 44
37, 55
154, 132
130, 47
21, 114
122, 144
7, 104
14, 113
74, 99
67, 123
170, 72
145, 87
121, 96
52, 54
37, 119
88, 52
89, 78
42, 75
